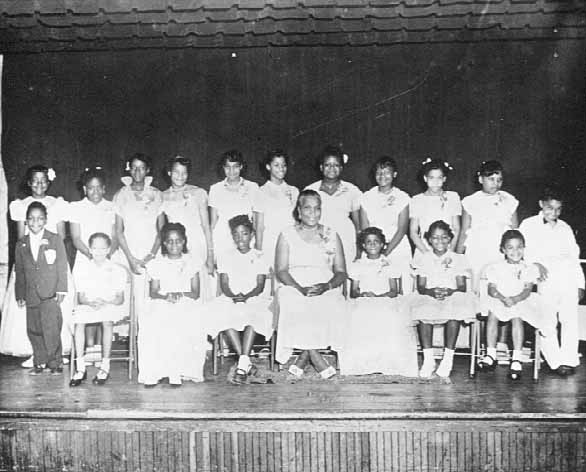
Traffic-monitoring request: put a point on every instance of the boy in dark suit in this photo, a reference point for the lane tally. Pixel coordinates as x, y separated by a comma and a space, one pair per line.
41, 285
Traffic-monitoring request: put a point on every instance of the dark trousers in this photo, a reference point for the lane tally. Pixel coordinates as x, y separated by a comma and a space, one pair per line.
43, 326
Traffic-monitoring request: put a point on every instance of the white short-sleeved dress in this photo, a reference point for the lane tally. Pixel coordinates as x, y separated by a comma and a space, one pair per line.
335, 213
510, 280
139, 210
229, 204
380, 336
182, 206
242, 270
13, 338
276, 203
383, 211
441, 271
491, 217
102, 281
93, 218
310, 322
430, 208
172, 339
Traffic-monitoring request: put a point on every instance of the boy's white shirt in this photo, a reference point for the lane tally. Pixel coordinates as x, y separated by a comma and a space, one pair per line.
35, 243
552, 246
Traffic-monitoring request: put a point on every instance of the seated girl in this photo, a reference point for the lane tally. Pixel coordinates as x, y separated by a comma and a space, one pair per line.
100, 285
381, 336
242, 306
441, 298
172, 338
511, 298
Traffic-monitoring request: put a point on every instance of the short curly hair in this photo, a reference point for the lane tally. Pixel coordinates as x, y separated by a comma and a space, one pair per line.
372, 230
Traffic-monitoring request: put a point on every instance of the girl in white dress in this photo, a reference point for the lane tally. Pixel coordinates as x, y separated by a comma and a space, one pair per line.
380, 336
172, 338
100, 285
138, 206
232, 196
311, 310
340, 200
486, 215
387, 207
13, 337
273, 208
94, 214
510, 297
242, 307
434, 204
441, 298
187, 204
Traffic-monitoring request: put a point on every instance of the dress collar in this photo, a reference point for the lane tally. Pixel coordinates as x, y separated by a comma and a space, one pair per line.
127, 181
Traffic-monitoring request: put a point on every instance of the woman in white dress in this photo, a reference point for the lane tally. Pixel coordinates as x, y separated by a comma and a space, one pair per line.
312, 311
433, 205
13, 338
380, 337
387, 207
273, 207
188, 204
231, 197
138, 206
340, 200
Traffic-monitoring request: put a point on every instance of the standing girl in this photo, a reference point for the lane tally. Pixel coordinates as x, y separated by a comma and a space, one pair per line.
441, 298
13, 336
387, 207
232, 196
100, 285
243, 272
487, 214
433, 205
41, 285
93, 214
340, 200
380, 336
187, 204
511, 298
273, 208
138, 206
172, 338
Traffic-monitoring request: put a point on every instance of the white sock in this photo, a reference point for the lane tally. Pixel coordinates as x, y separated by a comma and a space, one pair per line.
428, 356
448, 354
105, 364
243, 363
517, 355
491, 351
80, 364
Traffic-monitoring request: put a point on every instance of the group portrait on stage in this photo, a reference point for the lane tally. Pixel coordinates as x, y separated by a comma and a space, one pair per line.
368, 275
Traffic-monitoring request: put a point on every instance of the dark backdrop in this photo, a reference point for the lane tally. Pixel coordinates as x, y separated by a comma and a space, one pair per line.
521, 102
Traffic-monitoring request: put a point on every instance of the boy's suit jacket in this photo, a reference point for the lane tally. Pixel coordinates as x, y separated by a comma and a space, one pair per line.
40, 280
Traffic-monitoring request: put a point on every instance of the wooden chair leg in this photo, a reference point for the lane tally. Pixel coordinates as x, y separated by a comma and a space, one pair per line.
272, 343
72, 361
537, 356
215, 350
473, 329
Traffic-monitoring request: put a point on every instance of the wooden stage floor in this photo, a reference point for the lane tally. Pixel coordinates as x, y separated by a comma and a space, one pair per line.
485, 423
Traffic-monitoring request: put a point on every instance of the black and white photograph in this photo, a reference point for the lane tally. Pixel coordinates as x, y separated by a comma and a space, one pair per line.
292, 235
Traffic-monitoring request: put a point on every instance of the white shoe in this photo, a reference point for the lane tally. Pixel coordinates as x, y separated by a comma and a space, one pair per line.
427, 370
295, 371
175, 380
28, 364
328, 373
445, 368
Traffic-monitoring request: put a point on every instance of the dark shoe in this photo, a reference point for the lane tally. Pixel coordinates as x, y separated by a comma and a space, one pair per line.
37, 370
150, 385
565, 370
487, 364
252, 370
240, 377
101, 377
56, 370
515, 370
78, 378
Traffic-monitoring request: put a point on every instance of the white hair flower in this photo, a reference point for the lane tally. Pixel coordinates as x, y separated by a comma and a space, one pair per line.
345, 158
426, 161
51, 174
447, 164
127, 168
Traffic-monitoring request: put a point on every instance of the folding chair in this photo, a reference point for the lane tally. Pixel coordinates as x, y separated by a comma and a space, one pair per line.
130, 353
220, 349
